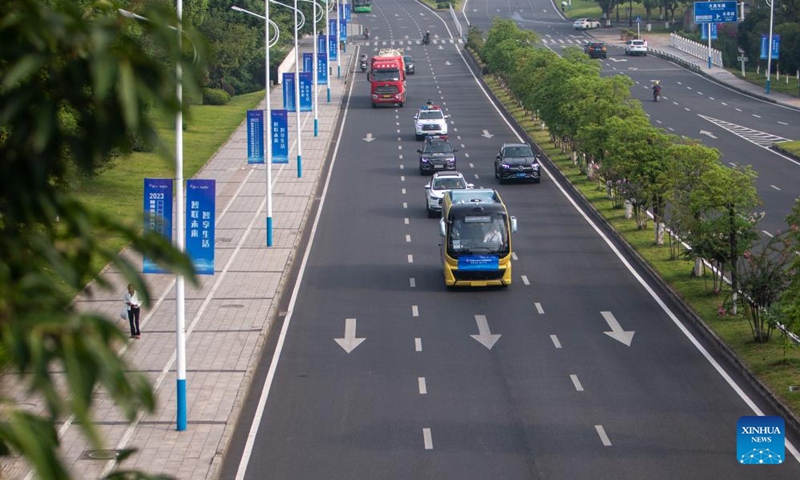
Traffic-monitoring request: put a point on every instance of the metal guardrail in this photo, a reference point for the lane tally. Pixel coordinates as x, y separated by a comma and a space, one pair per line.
695, 49
455, 20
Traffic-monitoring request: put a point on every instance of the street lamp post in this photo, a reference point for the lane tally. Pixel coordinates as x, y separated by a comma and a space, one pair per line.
297, 94
771, 4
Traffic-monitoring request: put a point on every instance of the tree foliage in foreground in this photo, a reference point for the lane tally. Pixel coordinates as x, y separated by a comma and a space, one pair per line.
74, 85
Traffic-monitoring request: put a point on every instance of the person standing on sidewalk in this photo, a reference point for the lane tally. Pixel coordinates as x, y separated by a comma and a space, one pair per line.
131, 299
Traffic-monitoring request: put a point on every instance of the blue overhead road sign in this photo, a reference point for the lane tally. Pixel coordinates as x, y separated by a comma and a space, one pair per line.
715, 12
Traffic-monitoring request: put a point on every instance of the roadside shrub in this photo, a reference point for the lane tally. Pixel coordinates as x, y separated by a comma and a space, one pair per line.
229, 89
215, 96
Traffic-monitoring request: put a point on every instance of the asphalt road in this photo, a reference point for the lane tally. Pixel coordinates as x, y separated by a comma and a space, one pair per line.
419, 397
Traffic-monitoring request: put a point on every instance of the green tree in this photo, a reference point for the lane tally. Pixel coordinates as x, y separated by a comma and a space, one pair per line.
60, 60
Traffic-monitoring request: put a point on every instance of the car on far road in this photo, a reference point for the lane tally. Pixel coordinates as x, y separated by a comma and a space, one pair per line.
436, 154
516, 161
408, 61
636, 47
440, 183
595, 49
585, 24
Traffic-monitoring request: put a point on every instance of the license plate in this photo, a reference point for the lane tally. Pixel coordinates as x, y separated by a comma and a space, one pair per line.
387, 96
438, 166
520, 175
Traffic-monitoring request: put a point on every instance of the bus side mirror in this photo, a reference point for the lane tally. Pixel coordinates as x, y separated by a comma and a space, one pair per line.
513, 224
442, 228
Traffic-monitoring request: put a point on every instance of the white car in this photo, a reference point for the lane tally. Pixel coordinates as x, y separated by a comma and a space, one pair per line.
430, 120
636, 47
440, 183
585, 24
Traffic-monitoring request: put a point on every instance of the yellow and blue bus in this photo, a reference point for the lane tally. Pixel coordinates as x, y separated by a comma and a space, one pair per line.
362, 6
476, 231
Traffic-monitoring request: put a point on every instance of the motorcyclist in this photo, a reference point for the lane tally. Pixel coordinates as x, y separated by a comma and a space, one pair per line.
362, 62
366, 33
426, 38
656, 90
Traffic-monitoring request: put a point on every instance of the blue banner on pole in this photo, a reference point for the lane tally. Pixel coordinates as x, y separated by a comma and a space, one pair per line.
322, 68
333, 47
255, 136
776, 46
306, 83
322, 43
280, 136
157, 214
342, 29
704, 31
288, 91
347, 14
715, 12
200, 211
308, 62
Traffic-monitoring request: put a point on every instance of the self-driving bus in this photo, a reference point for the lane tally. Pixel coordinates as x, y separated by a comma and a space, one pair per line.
476, 232
362, 6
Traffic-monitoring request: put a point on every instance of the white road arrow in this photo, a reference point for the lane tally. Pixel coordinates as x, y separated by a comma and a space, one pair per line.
484, 336
487, 134
369, 138
708, 134
618, 59
617, 333
349, 342
447, 62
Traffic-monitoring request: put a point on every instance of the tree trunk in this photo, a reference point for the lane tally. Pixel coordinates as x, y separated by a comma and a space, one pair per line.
734, 257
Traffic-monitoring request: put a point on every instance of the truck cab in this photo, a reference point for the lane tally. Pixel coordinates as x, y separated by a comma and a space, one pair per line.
387, 77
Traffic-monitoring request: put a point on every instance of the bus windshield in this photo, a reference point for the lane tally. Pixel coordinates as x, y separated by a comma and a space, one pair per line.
478, 234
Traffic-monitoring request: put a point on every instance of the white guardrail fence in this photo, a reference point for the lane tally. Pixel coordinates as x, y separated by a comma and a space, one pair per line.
458, 24
696, 49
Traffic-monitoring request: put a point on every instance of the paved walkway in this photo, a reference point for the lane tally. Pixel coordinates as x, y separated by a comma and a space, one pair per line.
228, 317
660, 45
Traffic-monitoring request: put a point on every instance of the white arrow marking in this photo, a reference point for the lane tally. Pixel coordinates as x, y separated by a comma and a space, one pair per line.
708, 134
349, 342
617, 333
369, 138
487, 134
484, 336
447, 62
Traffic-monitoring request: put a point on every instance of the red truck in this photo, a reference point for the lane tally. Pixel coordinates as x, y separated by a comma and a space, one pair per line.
387, 78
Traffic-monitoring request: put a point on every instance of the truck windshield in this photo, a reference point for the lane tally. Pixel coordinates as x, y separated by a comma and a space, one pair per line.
478, 234
386, 75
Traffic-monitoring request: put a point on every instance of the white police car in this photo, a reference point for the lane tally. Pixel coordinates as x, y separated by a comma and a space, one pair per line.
430, 120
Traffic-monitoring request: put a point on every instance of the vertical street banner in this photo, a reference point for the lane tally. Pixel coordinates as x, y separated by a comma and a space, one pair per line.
157, 214
322, 43
308, 61
322, 68
343, 29
704, 31
333, 46
347, 14
255, 136
776, 45
288, 91
306, 82
280, 136
200, 212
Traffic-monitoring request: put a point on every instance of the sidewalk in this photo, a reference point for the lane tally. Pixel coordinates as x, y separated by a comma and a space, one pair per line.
228, 316
659, 44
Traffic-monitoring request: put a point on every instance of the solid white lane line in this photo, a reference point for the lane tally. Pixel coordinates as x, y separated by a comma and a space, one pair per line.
417, 344
525, 280
412, 282
603, 437
426, 435
410, 258
555, 341
539, 308
576, 382
414, 311
423, 387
